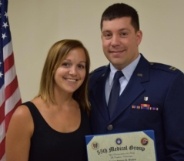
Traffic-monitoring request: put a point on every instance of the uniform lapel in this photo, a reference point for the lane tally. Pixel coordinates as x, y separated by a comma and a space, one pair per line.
99, 94
134, 88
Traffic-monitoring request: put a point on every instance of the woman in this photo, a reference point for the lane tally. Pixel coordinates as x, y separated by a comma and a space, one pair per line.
52, 126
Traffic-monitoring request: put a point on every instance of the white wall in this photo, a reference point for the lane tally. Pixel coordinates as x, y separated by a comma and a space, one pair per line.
36, 24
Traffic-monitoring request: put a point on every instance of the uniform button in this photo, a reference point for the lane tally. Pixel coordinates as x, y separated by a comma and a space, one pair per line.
110, 127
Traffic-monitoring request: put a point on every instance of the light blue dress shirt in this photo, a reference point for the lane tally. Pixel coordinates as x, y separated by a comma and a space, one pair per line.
127, 71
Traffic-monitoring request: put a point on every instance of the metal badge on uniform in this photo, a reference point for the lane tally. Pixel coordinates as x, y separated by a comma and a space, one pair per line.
145, 98
139, 74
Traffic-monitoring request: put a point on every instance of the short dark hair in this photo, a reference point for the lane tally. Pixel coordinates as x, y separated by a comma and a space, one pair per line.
119, 10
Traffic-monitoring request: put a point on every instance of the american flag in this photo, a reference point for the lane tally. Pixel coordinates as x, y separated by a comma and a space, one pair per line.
9, 91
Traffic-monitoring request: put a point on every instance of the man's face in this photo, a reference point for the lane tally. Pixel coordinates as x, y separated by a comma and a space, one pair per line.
120, 41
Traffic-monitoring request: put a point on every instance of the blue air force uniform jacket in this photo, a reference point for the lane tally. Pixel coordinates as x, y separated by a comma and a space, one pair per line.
152, 100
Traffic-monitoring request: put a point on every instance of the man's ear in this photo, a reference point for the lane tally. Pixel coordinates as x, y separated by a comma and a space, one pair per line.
139, 36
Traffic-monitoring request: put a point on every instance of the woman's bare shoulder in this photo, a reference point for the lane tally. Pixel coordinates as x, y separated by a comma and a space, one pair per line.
22, 111
22, 118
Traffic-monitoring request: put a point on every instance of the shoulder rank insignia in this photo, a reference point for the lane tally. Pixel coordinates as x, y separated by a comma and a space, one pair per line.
172, 68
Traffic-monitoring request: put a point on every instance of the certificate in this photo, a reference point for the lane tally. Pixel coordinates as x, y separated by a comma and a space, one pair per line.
129, 146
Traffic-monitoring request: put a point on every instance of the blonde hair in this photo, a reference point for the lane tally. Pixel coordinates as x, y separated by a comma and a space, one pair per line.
56, 55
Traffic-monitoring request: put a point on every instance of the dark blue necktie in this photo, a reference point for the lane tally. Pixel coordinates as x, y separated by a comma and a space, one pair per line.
114, 92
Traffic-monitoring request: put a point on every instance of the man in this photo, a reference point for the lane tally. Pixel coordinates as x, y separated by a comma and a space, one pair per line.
151, 94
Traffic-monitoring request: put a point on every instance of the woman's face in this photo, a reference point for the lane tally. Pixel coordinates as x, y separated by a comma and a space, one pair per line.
70, 75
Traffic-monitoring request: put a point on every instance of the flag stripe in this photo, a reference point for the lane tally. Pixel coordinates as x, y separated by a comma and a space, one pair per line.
2, 112
2, 96
2, 132
12, 101
7, 50
11, 88
9, 62
10, 75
